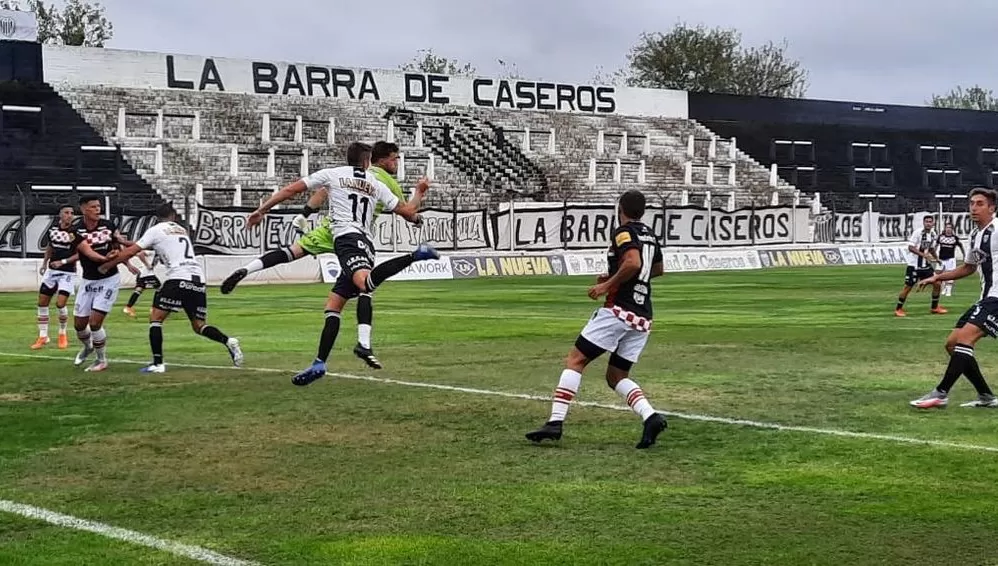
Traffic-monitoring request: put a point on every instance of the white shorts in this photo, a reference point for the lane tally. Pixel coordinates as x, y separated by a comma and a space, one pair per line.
949, 264
59, 281
98, 295
610, 332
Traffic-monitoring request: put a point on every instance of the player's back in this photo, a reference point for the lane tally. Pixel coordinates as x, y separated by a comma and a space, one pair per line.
174, 250
634, 294
352, 197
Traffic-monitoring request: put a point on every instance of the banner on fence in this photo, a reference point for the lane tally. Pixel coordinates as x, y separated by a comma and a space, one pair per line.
873, 227
444, 229
875, 255
800, 257
506, 265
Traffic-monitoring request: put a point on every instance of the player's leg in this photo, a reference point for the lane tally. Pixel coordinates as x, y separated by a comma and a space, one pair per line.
312, 243
103, 303
136, 293
910, 279
195, 303
598, 336
337, 299
980, 320
45, 293
60, 302
157, 316
365, 320
82, 308
370, 280
618, 379
937, 289
948, 265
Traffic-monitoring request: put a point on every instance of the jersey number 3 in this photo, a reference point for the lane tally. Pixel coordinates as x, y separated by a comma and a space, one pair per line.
362, 205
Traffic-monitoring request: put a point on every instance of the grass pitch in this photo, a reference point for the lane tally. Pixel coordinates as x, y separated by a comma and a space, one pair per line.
349, 471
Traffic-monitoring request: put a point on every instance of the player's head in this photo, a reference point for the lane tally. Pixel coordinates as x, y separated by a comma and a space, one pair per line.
386, 155
359, 155
90, 207
982, 205
66, 215
928, 221
631, 206
948, 229
166, 213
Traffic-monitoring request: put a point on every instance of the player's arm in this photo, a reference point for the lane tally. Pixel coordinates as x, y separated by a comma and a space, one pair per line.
88, 252
122, 257
913, 246
45, 260
959, 244
409, 209
964, 270
61, 262
657, 263
286, 192
313, 205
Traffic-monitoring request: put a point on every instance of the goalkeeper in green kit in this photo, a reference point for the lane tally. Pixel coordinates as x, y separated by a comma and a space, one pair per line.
384, 165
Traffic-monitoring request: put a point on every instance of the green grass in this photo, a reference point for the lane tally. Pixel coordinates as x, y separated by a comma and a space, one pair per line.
359, 472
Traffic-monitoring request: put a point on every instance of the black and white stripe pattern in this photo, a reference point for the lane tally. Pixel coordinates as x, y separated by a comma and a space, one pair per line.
983, 247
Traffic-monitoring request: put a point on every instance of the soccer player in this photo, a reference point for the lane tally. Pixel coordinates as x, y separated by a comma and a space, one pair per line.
921, 255
981, 318
948, 242
352, 192
620, 326
384, 159
97, 241
58, 277
184, 288
144, 279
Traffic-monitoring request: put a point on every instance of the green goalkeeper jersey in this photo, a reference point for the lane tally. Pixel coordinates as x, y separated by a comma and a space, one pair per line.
389, 180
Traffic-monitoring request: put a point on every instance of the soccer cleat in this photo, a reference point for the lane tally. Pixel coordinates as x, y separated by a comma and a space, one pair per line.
83, 354
654, 425
231, 281
367, 355
983, 401
939, 310
154, 368
550, 431
424, 252
932, 400
316, 371
235, 352
99, 365
900, 312
129, 311
63, 341
300, 223
40, 343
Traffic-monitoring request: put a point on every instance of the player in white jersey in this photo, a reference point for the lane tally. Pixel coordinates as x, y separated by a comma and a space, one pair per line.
981, 319
184, 288
921, 256
353, 194
145, 278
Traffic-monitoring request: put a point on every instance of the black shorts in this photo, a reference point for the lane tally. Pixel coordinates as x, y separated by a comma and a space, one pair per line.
354, 252
148, 282
912, 275
982, 314
178, 294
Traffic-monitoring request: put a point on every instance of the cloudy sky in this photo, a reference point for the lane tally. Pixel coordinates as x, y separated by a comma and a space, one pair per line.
888, 51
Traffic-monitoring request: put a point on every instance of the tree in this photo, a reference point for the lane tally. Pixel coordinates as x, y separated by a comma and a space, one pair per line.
509, 71
426, 61
699, 59
78, 23
974, 98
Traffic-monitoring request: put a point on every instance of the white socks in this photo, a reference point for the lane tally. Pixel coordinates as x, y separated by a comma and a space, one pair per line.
635, 398
568, 387
43, 322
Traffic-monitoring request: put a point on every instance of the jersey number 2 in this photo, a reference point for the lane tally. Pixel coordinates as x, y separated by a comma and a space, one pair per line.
360, 203
188, 254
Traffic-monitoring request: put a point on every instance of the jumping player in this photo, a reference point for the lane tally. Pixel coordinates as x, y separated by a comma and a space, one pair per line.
921, 255
620, 326
948, 242
58, 277
353, 192
384, 159
97, 242
981, 318
184, 288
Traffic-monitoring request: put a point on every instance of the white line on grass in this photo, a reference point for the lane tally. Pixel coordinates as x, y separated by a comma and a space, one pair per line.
529, 397
175, 548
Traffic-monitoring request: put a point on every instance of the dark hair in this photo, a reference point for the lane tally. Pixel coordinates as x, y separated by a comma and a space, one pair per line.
165, 211
356, 153
632, 204
65, 206
989, 194
383, 149
88, 198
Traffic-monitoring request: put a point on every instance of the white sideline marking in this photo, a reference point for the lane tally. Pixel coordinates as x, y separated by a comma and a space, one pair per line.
176, 548
529, 397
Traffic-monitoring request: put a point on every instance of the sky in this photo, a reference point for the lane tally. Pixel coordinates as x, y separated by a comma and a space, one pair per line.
886, 51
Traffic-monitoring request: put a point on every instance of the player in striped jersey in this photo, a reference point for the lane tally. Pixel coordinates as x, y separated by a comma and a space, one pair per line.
384, 159
981, 319
921, 256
